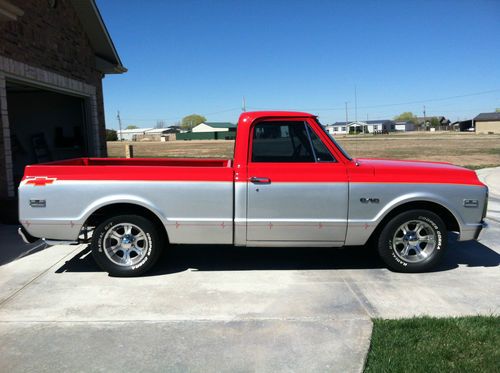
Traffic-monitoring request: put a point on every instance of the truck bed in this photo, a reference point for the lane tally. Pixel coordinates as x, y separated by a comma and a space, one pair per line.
137, 169
193, 198
171, 162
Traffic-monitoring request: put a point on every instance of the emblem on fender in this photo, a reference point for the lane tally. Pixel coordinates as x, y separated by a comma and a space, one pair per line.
471, 203
38, 203
39, 180
369, 200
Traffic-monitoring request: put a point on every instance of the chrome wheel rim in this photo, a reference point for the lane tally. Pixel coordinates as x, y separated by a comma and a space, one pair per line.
414, 241
125, 244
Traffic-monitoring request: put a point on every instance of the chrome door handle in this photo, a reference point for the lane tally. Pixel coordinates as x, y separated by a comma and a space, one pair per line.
260, 180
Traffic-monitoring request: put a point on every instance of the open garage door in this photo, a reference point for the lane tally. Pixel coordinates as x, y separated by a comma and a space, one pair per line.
44, 126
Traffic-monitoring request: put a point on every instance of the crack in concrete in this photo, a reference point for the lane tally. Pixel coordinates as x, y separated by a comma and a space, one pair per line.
16, 292
361, 298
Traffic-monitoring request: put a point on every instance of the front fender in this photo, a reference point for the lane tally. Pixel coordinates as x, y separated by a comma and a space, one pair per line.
364, 217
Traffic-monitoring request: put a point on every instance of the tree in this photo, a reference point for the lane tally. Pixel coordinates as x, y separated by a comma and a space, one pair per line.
407, 116
192, 120
111, 135
131, 127
435, 122
497, 109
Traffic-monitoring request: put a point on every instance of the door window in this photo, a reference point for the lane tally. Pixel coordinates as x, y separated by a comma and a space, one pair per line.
320, 150
281, 142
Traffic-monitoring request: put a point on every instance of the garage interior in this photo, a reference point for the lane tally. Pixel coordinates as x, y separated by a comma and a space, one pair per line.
45, 126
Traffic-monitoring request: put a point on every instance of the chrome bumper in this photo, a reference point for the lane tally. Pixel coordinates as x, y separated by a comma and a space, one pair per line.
482, 226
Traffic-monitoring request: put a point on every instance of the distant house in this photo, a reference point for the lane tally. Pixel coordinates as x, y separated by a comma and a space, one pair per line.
404, 126
463, 125
369, 126
155, 134
173, 129
157, 131
214, 127
443, 121
338, 128
129, 135
487, 123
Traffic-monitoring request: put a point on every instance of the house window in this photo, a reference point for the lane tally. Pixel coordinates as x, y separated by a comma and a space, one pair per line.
335, 129
343, 129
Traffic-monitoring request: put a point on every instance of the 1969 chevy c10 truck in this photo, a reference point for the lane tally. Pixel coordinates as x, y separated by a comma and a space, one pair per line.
289, 184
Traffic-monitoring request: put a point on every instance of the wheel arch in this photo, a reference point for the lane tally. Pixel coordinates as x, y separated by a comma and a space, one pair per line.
126, 208
449, 219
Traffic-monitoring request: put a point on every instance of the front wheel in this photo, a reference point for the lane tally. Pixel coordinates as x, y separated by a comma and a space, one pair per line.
126, 245
413, 241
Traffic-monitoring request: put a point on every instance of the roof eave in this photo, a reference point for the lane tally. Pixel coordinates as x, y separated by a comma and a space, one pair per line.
107, 67
107, 58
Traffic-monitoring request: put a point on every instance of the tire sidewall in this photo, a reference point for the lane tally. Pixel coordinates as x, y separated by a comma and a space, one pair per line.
153, 243
385, 244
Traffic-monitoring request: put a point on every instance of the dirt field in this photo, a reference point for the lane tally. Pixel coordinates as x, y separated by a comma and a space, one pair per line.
465, 149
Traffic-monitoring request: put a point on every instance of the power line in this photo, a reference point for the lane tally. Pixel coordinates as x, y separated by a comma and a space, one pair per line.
340, 108
432, 99
178, 118
398, 103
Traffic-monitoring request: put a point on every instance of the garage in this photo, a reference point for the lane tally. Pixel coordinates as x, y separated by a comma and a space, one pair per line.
45, 126
53, 57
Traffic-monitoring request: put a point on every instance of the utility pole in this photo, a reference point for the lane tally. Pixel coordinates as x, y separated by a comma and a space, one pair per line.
244, 107
346, 117
355, 104
120, 124
425, 120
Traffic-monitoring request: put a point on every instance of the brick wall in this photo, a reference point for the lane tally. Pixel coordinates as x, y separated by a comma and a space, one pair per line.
51, 39
3, 111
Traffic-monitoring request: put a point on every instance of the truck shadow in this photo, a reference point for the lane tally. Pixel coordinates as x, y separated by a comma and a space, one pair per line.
179, 258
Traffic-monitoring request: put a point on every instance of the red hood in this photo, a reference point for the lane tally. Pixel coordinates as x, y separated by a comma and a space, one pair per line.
388, 170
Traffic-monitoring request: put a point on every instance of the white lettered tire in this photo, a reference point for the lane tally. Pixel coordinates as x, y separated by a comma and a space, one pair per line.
413, 241
126, 245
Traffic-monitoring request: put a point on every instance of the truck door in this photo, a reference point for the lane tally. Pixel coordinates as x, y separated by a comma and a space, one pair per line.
297, 190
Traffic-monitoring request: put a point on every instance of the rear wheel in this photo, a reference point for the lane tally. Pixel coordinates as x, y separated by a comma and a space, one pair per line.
413, 241
126, 245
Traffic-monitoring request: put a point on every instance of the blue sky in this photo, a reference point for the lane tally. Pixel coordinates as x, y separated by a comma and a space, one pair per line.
202, 57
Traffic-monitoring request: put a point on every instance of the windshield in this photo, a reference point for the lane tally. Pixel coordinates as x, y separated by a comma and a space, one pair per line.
333, 140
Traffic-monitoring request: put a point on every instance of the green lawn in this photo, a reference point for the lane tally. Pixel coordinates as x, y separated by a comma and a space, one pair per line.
464, 344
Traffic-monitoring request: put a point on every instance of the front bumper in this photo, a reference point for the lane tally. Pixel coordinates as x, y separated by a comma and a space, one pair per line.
471, 231
480, 228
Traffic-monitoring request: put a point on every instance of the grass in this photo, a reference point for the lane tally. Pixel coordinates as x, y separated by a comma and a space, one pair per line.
463, 149
425, 344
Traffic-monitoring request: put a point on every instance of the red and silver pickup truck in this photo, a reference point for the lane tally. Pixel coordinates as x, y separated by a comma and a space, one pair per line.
289, 184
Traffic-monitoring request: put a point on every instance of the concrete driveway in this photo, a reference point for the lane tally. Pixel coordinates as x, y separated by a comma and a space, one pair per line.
230, 309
